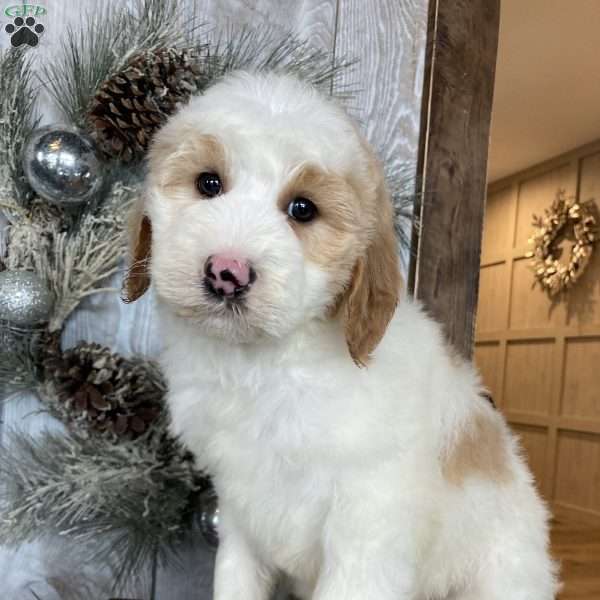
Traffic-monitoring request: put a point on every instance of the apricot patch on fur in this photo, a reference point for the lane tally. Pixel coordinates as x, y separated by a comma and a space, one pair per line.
354, 240
480, 451
177, 160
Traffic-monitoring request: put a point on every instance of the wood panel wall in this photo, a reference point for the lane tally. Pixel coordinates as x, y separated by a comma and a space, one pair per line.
388, 37
541, 358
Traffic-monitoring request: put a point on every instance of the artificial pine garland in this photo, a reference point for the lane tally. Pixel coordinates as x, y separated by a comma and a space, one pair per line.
118, 484
118, 478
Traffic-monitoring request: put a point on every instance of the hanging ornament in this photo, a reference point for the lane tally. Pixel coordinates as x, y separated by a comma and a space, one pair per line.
24, 299
130, 106
61, 165
208, 506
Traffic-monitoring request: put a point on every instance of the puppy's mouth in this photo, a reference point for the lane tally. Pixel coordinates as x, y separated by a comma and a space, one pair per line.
237, 300
217, 296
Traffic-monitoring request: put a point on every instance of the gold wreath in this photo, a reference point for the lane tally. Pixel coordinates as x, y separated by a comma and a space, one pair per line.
552, 275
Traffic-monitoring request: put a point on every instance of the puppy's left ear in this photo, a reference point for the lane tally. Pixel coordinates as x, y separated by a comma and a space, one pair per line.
374, 290
137, 279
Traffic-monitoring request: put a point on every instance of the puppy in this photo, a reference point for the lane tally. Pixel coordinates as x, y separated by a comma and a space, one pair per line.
350, 449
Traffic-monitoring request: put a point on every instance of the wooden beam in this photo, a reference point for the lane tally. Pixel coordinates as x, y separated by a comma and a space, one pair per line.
452, 164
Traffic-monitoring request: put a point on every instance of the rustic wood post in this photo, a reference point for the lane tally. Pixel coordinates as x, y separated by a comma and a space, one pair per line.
452, 163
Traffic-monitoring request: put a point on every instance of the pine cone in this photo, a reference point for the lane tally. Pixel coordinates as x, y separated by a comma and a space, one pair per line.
130, 106
96, 390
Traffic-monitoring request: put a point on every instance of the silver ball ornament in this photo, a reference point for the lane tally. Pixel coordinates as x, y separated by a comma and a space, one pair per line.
208, 505
61, 165
25, 300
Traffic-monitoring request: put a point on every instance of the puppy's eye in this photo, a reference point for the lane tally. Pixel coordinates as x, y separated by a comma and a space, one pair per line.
302, 209
209, 184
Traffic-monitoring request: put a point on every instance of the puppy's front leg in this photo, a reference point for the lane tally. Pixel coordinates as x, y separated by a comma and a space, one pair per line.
239, 574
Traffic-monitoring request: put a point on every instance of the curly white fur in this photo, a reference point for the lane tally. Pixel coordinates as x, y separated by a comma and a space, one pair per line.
392, 482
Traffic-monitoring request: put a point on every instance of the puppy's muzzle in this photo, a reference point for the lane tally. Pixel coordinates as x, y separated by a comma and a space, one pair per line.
228, 276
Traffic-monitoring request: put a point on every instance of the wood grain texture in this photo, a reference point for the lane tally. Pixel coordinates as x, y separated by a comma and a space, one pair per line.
533, 441
527, 387
492, 280
585, 298
312, 20
581, 386
576, 545
497, 230
531, 307
536, 194
486, 358
578, 471
389, 40
453, 160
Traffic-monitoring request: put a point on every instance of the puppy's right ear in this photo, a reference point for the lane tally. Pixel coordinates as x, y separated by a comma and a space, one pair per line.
137, 279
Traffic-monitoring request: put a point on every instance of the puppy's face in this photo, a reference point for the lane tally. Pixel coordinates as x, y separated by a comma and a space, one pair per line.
264, 209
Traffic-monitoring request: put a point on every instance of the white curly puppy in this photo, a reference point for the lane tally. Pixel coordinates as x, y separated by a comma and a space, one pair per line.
349, 448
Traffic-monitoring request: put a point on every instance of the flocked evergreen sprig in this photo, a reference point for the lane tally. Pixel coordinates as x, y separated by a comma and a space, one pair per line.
20, 358
402, 185
17, 121
121, 502
130, 500
271, 50
103, 43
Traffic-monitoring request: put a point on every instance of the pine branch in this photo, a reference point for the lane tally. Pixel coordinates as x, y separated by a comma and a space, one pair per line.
104, 41
20, 357
119, 501
402, 184
17, 121
80, 260
270, 49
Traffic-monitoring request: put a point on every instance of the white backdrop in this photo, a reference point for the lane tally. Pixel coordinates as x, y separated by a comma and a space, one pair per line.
388, 37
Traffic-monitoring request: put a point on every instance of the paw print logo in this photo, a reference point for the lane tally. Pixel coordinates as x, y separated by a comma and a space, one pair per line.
24, 31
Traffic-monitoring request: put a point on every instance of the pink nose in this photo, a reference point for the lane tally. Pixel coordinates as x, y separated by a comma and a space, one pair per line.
228, 275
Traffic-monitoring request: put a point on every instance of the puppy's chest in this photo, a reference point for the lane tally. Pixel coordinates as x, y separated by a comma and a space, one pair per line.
268, 449
282, 509
282, 506
269, 468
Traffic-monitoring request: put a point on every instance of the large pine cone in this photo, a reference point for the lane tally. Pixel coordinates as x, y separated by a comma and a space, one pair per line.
130, 106
101, 392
